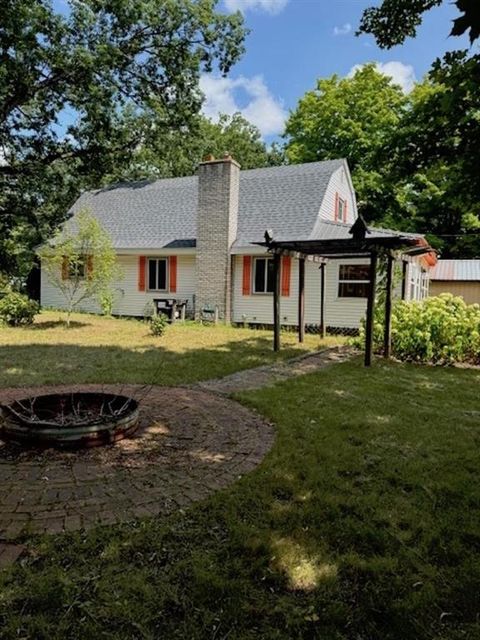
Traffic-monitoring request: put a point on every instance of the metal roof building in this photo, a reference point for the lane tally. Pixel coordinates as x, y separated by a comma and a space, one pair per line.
459, 277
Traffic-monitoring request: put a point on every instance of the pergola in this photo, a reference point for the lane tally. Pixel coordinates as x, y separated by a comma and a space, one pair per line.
359, 245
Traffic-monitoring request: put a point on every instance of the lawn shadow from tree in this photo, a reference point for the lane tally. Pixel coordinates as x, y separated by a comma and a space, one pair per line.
57, 324
36, 363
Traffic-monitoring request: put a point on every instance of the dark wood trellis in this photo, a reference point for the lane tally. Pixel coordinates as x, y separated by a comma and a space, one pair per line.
387, 243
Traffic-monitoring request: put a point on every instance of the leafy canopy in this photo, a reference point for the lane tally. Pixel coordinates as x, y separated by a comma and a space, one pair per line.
79, 91
395, 20
177, 153
351, 118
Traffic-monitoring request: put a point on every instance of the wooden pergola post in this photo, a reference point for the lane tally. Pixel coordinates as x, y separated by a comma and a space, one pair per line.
387, 344
301, 300
322, 300
370, 309
276, 302
404, 279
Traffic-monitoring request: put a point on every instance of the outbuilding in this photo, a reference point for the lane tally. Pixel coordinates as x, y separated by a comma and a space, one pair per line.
460, 277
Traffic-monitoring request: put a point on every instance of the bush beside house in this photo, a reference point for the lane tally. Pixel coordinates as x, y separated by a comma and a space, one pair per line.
17, 309
440, 330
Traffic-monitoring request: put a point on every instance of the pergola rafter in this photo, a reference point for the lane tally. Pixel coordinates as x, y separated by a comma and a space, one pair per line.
364, 243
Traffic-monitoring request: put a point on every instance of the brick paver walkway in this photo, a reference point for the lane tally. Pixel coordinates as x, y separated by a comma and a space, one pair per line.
190, 444
269, 374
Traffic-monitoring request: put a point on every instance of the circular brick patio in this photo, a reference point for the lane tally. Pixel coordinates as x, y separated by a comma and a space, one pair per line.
190, 443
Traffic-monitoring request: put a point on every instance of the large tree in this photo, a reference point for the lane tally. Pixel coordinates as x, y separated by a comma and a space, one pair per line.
176, 153
435, 152
80, 91
395, 20
353, 118
435, 157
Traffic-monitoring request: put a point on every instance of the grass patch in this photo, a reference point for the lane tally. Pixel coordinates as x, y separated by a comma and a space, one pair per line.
362, 523
98, 349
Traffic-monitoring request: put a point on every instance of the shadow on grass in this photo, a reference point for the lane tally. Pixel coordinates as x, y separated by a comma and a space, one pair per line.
56, 324
361, 523
38, 364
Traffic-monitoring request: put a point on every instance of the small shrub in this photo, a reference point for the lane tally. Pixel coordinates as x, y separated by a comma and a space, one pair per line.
158, 324
107, 300
17, 309
440, 330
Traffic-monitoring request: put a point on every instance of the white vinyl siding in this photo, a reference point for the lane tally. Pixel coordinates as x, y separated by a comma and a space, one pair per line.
339, 184
129, 301
339, 312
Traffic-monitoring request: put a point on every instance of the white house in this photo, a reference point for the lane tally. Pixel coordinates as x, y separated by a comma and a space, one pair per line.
194, 238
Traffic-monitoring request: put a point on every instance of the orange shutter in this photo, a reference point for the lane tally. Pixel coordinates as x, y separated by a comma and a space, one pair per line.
336, 206
141, 273
172, 269
89, 266
286, 270
65, 268
247, 275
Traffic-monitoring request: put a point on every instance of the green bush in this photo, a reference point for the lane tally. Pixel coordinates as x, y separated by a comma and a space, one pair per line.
17, 309
158, 324
440, 330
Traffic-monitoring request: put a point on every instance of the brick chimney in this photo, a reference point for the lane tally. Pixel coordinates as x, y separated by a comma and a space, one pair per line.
217, 215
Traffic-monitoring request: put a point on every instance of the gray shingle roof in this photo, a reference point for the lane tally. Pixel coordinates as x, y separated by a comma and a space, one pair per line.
163, 213
456, 270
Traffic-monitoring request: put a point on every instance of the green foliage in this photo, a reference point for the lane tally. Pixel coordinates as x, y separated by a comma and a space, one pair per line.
81, 262
17, 309
353, 118
440, 330
395, 20
414, 158
106, 299
178, 153
116, 71
158, 324
435, 157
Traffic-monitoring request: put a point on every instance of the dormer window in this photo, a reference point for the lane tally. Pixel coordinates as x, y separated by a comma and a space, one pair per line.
341, 210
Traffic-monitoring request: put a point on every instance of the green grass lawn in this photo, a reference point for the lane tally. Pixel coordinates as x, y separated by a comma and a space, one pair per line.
98, 349
362, 523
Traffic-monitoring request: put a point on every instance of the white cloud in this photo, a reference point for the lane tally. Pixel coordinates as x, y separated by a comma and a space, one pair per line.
402, 74
268, 6
343, 30
227, 95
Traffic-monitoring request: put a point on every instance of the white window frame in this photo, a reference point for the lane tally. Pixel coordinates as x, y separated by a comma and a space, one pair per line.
254, 279
157, 259
350, 281
342, 207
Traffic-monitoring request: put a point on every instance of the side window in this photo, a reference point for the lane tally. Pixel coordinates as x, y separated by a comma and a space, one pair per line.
157, 274
263, 276
353, 281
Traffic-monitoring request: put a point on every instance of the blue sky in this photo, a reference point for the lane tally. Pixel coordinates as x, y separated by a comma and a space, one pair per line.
294, 42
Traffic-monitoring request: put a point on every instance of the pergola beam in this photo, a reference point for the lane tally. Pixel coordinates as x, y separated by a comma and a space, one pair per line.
298, 255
